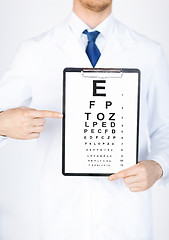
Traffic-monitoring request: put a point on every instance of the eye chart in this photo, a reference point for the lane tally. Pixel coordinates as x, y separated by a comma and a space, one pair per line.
101, 121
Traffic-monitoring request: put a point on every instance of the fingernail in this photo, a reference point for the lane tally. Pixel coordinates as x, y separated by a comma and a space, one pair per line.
60, 115
110, 178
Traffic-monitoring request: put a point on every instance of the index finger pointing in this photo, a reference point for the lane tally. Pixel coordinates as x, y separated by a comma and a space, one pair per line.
116, 176
124, 173
48, 114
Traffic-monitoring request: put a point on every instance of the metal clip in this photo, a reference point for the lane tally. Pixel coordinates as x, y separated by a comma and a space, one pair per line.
102, 73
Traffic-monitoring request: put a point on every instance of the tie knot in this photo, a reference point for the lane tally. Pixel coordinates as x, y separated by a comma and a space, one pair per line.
91, 35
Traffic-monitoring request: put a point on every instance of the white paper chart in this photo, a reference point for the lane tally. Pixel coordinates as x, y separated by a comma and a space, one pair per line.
101, 121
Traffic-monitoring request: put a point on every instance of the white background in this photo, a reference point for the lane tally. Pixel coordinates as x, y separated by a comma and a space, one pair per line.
22, 19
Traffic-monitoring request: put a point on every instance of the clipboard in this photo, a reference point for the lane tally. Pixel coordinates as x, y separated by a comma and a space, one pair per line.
100, 126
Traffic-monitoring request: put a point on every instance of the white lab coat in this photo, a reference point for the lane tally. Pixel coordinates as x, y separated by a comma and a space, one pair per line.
90, 208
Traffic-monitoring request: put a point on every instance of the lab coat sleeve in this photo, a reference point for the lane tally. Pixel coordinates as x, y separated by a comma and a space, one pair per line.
15, 84
158, 110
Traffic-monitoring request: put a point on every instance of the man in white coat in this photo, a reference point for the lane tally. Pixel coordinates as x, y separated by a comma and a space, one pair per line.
88, 208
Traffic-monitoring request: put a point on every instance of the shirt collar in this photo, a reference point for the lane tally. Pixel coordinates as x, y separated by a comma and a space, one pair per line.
78, 26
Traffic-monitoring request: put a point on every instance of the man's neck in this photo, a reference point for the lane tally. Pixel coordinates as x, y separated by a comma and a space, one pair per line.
91, 18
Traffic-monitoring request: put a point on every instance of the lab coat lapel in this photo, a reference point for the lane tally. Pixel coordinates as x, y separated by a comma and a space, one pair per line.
107, 55
73, 54
112, 55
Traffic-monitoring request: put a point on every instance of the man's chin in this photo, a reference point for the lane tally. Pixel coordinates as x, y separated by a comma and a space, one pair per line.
96, 5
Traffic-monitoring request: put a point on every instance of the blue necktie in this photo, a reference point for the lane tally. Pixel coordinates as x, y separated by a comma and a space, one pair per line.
92, 50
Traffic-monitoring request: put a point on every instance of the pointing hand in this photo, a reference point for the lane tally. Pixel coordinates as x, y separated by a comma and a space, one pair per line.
25, 123
141, 176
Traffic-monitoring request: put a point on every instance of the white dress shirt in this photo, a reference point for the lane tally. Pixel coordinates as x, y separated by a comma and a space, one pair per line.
78, 26
90, 208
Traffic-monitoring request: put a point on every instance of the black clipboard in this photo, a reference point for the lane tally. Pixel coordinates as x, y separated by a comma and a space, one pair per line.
100, 126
